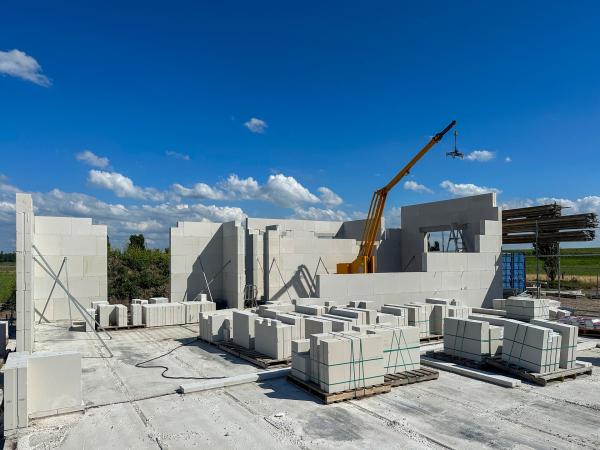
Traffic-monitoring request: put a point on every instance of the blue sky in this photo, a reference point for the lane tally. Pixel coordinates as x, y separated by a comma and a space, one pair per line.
140, 114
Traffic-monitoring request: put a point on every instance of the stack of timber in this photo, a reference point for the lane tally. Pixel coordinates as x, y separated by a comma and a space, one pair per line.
546, 224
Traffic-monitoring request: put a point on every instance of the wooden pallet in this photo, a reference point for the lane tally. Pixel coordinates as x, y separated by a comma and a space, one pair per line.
441, 356
115, 328
589, 332
343, 396
432, 338
411, 376
252, 356
538, 378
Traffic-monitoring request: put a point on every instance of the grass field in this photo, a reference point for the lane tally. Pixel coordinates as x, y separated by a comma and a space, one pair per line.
580, 267
8, 281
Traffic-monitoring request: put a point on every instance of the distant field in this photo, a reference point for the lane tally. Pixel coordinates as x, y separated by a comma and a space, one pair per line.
8, 281
580, 267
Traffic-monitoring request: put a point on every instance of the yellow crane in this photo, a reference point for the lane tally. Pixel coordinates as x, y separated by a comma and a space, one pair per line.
365, 261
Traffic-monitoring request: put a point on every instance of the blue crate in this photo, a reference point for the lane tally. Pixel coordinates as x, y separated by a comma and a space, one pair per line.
513, 271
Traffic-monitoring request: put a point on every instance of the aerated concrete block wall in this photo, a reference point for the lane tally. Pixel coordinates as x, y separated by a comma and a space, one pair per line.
473, 277
194, 245
84, 273
299, 255
24, 268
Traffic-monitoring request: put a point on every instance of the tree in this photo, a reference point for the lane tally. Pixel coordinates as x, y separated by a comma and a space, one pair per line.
137, 241
547, 252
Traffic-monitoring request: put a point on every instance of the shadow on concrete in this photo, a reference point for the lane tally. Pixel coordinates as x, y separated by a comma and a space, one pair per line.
283, 389
595, 360
214, 350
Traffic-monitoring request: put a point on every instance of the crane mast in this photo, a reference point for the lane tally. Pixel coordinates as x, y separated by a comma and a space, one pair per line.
365, 261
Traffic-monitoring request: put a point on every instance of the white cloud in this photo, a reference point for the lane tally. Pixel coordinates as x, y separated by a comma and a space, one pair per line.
329, 198
312, 213
414, 186
16, 63
256, 125
481, 156
393, 217
508, 159
591, 203
177, 155
199, 190
122, 186
91, 159
279, 189
466, 189
241, 188
287, 192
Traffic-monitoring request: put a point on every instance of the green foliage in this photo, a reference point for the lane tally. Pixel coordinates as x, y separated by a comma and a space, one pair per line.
8, 282
137, 272
137, 241
550, 262
7, 257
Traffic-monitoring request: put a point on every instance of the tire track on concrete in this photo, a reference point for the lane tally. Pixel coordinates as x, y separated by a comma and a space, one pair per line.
499, 415
394, 424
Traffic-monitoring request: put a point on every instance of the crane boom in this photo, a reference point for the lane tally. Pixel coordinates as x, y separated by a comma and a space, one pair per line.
365, 261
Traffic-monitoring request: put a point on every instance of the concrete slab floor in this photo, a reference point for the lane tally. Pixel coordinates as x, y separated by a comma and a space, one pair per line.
130, 407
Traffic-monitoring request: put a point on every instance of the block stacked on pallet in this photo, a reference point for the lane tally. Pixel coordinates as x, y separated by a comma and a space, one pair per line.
243, 328
301, 359
392, 320
193, 310
312, 310
317, 325
568, 346
401, 347
139, 301
526, 309
215, 326
496, 336
499, 303
157, 300
465, 338
136, 313
347, 362
118, 316
273, 338
104, 312
363, 304
534, 348
418, 316
297, 322
340, 323
362, 316
395, 310
163, 314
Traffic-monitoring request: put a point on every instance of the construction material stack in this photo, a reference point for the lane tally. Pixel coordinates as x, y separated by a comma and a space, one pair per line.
465, 338
531, 347
526, 309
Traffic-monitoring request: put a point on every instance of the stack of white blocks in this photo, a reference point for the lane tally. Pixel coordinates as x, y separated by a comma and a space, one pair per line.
243, 328
273, 338
526, 309
163, 314
215, 326
193, 310
401, 347
348, 361
496, 336
118, 316
139, 301
392, 320
531, 347
568, 345
465, 338
136, 313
